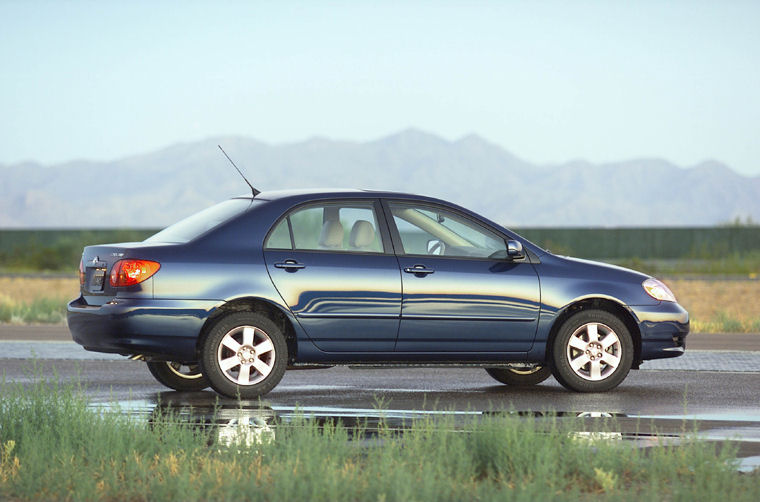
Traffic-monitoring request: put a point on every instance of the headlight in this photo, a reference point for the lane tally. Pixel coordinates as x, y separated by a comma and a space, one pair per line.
657, 290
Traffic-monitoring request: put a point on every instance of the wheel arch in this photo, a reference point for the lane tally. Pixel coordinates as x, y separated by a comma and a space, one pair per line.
256, 305
614, 307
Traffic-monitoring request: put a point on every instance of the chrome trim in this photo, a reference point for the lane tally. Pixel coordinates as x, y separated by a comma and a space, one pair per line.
466, 318
333, 315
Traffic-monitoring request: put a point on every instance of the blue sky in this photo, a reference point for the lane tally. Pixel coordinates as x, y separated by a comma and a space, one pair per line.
549, 81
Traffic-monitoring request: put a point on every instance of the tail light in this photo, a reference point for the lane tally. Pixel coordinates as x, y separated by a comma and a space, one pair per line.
81, 272
131, 272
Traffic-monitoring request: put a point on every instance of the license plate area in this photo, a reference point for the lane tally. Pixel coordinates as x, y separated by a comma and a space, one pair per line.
97, 279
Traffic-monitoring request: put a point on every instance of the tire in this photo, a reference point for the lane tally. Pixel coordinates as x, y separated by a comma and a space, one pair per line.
592, 352
520, 378
244, 355
178, 376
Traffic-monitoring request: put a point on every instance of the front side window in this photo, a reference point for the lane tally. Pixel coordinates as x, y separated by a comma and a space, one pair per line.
430, 230
340, 227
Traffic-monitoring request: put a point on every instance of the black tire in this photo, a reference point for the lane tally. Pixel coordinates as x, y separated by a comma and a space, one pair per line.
242, 378
598, 368
177, 376
520, 378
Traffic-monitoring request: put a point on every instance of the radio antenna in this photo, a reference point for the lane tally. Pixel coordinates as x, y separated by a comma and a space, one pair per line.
253, 190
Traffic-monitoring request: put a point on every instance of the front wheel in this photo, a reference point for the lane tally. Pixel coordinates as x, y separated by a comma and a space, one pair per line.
178, 376
592, 352
520, 377
244, 355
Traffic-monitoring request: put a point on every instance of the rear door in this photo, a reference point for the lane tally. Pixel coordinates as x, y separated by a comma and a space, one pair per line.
460, 292
332, 264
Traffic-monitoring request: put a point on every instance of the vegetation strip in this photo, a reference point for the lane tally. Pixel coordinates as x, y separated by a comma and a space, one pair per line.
54, 447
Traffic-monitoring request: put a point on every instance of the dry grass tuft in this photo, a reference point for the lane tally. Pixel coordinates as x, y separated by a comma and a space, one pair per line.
720, 306
28, 289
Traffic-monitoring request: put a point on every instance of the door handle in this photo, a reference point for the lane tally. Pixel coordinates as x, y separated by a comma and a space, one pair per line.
418, 269
289, 265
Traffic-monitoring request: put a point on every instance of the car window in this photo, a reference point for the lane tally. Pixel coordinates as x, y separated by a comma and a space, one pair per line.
201, 222
348, 227
429, 230
279, 238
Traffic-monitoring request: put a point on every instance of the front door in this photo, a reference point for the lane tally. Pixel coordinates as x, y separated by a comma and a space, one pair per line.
333, 266
460, 291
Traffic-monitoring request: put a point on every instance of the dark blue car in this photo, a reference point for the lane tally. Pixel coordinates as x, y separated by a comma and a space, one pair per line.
232, 296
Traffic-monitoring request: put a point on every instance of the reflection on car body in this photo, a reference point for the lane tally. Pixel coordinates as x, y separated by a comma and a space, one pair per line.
237, 293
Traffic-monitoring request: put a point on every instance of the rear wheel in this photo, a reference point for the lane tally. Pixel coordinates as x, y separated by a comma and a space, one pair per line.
178, 376
593, 352
244, 355
520, 377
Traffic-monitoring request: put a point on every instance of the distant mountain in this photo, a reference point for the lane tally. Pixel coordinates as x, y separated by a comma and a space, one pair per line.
158, 188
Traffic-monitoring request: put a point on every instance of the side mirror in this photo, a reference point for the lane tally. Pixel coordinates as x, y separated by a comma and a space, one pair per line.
514, 249
435, 247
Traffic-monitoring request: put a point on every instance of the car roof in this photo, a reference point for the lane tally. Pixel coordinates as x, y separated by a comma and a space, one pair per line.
329, 193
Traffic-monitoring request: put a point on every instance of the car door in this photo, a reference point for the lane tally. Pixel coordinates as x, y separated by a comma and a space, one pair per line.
461, 292
333, 265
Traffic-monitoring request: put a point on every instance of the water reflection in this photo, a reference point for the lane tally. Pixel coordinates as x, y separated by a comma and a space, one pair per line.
250, 422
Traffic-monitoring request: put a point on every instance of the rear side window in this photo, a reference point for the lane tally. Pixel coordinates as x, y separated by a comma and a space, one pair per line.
339, 227
280, 236
200, 223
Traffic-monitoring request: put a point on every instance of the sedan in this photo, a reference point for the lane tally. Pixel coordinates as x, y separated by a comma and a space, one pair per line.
236, 294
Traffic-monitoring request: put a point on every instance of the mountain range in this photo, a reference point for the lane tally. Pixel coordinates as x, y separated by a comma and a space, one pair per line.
158, 188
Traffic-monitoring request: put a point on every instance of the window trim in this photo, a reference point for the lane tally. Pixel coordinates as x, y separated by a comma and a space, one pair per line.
374, 203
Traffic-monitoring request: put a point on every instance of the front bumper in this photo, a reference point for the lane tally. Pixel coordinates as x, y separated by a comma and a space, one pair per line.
164, 329
663, 330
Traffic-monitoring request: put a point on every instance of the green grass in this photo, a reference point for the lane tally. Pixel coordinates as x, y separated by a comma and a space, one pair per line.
41, 310
54, 447
743, 264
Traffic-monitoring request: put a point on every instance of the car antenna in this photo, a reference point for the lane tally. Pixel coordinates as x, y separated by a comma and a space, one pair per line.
253, 190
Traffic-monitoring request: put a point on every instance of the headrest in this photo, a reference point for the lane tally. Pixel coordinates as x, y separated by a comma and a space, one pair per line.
362, 234
332, 235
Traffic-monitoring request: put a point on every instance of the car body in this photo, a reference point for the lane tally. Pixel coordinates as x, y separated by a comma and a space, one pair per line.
297, 278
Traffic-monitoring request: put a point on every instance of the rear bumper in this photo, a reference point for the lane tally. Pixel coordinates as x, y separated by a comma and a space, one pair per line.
663, 330
157, 328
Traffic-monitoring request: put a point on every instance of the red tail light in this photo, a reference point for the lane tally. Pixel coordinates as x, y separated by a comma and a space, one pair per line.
131, 272
81, 272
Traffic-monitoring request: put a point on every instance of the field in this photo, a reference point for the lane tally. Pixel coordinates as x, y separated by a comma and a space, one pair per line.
715, 306
53, 446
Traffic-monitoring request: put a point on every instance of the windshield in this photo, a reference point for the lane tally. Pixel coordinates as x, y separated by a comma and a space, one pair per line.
199, 223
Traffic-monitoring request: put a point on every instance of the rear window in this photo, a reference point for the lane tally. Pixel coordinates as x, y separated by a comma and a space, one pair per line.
200, 223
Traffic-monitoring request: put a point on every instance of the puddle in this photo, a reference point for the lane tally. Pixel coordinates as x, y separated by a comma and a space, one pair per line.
255, 422
749, 464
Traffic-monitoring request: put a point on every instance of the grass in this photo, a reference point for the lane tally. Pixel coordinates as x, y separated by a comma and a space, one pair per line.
715, 306
29, 300
736, 264
54, 447
720, 306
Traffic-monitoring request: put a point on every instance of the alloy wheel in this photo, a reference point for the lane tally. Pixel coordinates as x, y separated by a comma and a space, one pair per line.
594, 351
246, 355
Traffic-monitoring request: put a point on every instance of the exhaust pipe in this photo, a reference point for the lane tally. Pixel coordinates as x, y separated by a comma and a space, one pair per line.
137, 357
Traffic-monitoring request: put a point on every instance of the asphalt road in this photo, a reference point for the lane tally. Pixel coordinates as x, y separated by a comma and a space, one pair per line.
729, 395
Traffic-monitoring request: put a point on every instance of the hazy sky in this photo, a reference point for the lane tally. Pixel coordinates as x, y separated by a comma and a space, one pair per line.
549, 81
